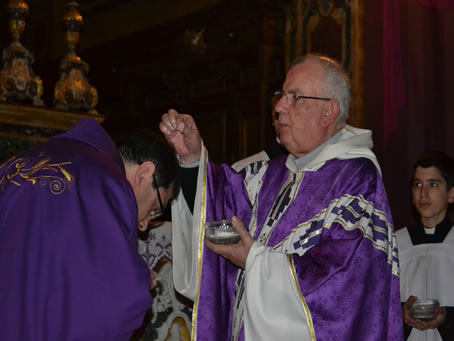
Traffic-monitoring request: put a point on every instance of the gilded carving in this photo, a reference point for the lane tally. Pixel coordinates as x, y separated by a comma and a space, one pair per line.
73, 92
17, 80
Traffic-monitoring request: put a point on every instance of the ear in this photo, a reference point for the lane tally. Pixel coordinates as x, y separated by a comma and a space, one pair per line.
451, 195
331, 112
144, 174
143, 226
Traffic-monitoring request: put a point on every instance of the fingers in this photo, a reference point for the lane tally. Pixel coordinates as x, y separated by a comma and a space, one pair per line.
238, 225
154, 282
419, 324
172, 115
413, 323
241, 229
422, 325
226, 251
220, 249
173, 122
170, 122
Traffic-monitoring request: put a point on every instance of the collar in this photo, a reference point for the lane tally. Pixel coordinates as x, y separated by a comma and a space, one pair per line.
88, 131
302, 162
419, 236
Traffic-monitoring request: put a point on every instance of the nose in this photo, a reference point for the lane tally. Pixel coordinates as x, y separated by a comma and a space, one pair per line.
282, 101
424, 191
281, 108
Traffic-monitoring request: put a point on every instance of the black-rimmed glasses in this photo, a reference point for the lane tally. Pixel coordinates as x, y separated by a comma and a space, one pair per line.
292, 98
154, 214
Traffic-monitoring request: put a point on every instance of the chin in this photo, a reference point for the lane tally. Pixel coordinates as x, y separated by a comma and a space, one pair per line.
284, 138
286, 146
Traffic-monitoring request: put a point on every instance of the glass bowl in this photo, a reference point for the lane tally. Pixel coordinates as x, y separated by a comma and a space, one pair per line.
221, 232
423, 309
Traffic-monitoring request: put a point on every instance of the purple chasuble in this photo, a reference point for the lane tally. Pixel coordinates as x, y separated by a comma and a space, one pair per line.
337, 229
69, 264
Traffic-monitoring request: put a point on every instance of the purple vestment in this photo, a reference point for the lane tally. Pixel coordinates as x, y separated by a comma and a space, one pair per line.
335, 224
69, 264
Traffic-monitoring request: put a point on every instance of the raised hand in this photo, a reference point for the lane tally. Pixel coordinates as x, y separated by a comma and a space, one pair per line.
181, 132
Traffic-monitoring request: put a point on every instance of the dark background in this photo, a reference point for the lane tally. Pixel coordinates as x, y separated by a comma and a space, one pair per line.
142, 64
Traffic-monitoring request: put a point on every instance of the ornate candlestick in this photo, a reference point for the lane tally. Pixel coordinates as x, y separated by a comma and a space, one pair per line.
17, 80
73, 92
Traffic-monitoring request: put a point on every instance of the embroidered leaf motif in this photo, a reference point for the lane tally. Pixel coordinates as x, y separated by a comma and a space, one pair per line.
37, 170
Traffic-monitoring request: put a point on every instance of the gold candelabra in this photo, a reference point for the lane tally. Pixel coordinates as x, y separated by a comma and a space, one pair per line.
17, 79
73, 92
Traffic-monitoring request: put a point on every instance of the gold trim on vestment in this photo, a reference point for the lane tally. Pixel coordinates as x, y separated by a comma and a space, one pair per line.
200, 251
303, 300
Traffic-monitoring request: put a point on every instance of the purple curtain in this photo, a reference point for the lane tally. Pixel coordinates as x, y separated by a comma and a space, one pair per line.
438, 3
409, 87
394, 89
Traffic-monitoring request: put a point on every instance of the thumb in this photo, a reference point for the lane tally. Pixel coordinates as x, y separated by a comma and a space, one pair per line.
239, 227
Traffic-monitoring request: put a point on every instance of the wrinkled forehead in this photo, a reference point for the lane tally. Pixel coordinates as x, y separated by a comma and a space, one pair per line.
305, 78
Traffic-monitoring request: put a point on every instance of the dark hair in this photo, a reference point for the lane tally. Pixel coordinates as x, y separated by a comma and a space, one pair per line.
443, 162
144, 145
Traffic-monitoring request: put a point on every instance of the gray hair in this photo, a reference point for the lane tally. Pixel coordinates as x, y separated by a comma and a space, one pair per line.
336, 84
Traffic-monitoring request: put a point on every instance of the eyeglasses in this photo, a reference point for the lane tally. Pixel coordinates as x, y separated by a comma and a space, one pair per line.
154, 213
292, 98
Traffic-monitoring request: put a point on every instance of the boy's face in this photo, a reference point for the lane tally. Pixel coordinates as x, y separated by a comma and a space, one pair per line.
430, 195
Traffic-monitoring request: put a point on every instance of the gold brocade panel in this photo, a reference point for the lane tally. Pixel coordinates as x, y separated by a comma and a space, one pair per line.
334, 28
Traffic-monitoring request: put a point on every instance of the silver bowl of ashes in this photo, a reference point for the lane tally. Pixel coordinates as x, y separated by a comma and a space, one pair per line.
423, 309
221, 232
